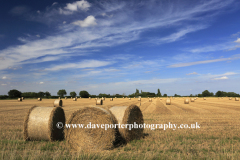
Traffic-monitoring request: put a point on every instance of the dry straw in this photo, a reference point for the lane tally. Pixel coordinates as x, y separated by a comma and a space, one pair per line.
99, 102
111, 99
93, 139
41, 123
57, 103
186, 101
19, 99
150, 99
123, 97
90, 98
236, 99
129, 115
160, 98
168, 101
39, 99
116, 97
192, 100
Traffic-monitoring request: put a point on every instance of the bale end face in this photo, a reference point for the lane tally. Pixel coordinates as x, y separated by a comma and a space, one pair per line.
139, 99
94, 138
74, 99
19, 99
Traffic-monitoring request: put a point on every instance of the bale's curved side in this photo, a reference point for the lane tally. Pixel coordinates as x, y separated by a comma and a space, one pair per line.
19, 99
192, 100
94, 138
57, 103
40, 123
236, 99
111, 99
129, 115
39, 99
150, 99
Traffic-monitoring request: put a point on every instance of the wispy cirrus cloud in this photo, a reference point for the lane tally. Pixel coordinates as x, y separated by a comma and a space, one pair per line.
193, 73
83, 64
235, 57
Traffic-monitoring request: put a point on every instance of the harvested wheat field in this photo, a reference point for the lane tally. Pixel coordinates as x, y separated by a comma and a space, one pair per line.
217, 138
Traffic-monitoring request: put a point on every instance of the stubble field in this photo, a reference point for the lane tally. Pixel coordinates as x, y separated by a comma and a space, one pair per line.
217, 138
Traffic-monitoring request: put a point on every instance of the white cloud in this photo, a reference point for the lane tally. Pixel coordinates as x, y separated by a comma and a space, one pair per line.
41, 82
54, 3
82, 5
19, 10
224, 77
178, 35
89, 21
4, 84
4, 77
64, 22
83, 64
38, 35
193, 73
238, 40
203, 62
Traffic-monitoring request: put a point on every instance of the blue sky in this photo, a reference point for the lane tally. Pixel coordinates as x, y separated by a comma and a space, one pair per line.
113, 46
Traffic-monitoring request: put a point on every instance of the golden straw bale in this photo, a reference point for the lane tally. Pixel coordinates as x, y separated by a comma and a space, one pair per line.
41, 123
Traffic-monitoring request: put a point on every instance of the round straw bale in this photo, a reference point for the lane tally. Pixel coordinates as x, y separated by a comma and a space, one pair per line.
99, 102
129, 98
150, 99
168, 101
23, 98
74, 99
186, 101
90, 98
160, 98
192, 100
116, 97
129, 115
111, 99
39, 99
59, 97
230, 98
91, 138
204, 98
57, 103
236, 99
71, 97
123, 97
41, 123
139, 99
19, 99
65, 97
80, 97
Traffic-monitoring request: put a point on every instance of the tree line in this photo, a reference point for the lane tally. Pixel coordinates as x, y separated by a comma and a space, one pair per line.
84, 94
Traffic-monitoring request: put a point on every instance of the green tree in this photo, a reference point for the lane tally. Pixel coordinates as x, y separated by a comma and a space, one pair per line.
47, 94
73, 94
14, 93
165, 95
61, 92
206, 93
41, 94
84, 94
137, 92
159, 93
